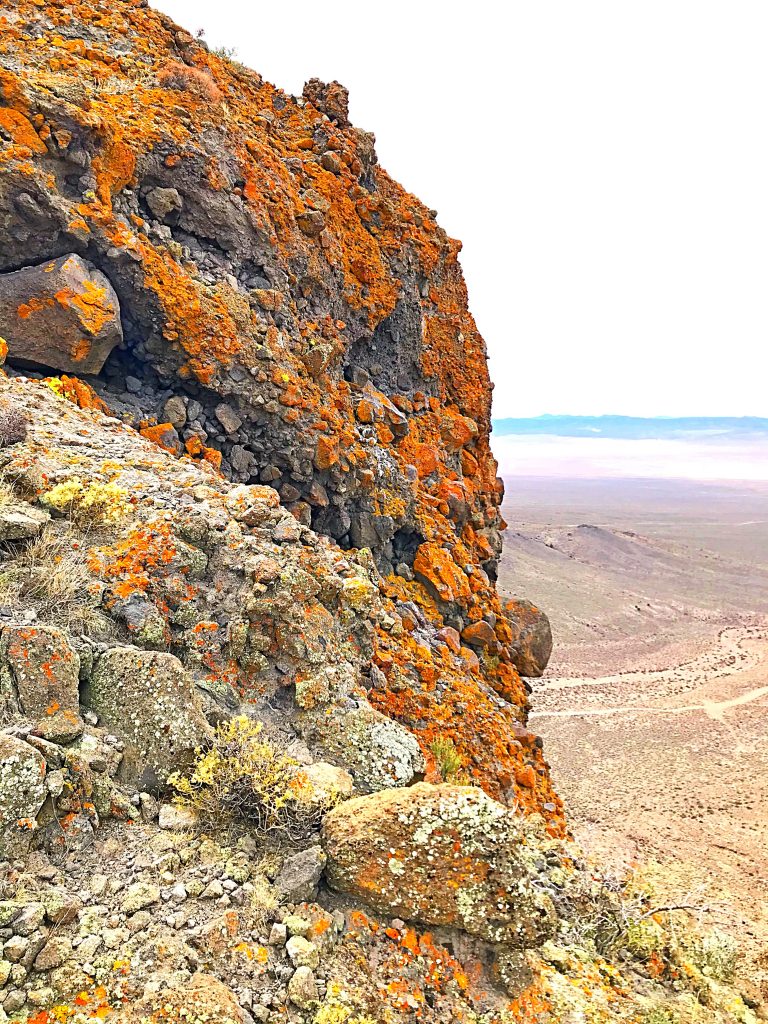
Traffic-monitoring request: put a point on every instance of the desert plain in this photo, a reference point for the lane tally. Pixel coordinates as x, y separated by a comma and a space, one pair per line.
654, 707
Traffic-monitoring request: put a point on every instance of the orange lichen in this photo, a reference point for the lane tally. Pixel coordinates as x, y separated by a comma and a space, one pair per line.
94, 311
311, 190
77, 392
20, 130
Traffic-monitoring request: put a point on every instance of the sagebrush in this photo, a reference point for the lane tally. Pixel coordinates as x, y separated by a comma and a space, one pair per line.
88, 504
242, 777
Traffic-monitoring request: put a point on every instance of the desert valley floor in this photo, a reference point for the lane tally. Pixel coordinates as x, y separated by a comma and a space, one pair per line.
654, 707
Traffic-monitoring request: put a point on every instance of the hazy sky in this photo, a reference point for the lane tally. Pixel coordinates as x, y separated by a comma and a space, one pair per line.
605, 163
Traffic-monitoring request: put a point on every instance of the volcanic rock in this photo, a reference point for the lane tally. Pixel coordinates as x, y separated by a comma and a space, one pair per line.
62, 314
442, 855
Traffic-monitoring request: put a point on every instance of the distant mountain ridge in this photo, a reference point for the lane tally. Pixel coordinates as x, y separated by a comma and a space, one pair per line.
637, 427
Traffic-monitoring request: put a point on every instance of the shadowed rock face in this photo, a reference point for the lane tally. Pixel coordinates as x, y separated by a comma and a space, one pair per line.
63, 314
291, 315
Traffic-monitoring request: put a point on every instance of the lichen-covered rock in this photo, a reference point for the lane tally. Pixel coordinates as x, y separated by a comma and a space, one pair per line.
441, 855
149, 699
531, 640
201, 999
39, 671
22, 793
62, 314
306, 319
302, 988
378, 752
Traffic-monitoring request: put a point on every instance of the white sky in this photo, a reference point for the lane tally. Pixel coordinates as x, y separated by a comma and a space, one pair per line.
605, 163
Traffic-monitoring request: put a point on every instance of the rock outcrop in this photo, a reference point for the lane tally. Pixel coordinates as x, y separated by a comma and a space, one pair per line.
263, 742
289, 314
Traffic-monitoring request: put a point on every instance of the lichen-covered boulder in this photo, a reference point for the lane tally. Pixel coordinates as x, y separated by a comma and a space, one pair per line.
39, 672
63, 314
440, 855
22, 794
201, 999
149, 700
378, 752
531, 644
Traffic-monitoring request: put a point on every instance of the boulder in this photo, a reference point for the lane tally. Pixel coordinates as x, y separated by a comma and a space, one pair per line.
377, 751
149, 700
531, 637
40, 668
440, 855
62, 314
22, 793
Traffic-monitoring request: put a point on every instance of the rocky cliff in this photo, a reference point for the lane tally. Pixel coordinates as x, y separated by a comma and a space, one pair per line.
264, 752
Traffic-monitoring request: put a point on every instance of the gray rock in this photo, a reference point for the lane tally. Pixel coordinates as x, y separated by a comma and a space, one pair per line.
21, 522
15, 948
175, 412
302, 988
300, 875
14, 1001
29, 920
228, 418
148, 698
165, 203
22, 793
62, 314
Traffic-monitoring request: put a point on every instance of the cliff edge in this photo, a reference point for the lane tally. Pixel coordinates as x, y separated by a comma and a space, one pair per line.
263, 741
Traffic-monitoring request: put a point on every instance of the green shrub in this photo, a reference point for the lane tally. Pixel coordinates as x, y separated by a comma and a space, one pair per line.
449, 760
242, 778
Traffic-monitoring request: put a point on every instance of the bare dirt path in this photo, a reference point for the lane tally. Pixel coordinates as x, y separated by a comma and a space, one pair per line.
737, 650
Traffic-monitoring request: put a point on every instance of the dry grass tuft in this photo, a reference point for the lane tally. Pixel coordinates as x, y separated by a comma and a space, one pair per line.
185, 78
51, 575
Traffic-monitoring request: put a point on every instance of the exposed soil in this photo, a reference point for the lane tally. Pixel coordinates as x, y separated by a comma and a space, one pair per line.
662, 761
